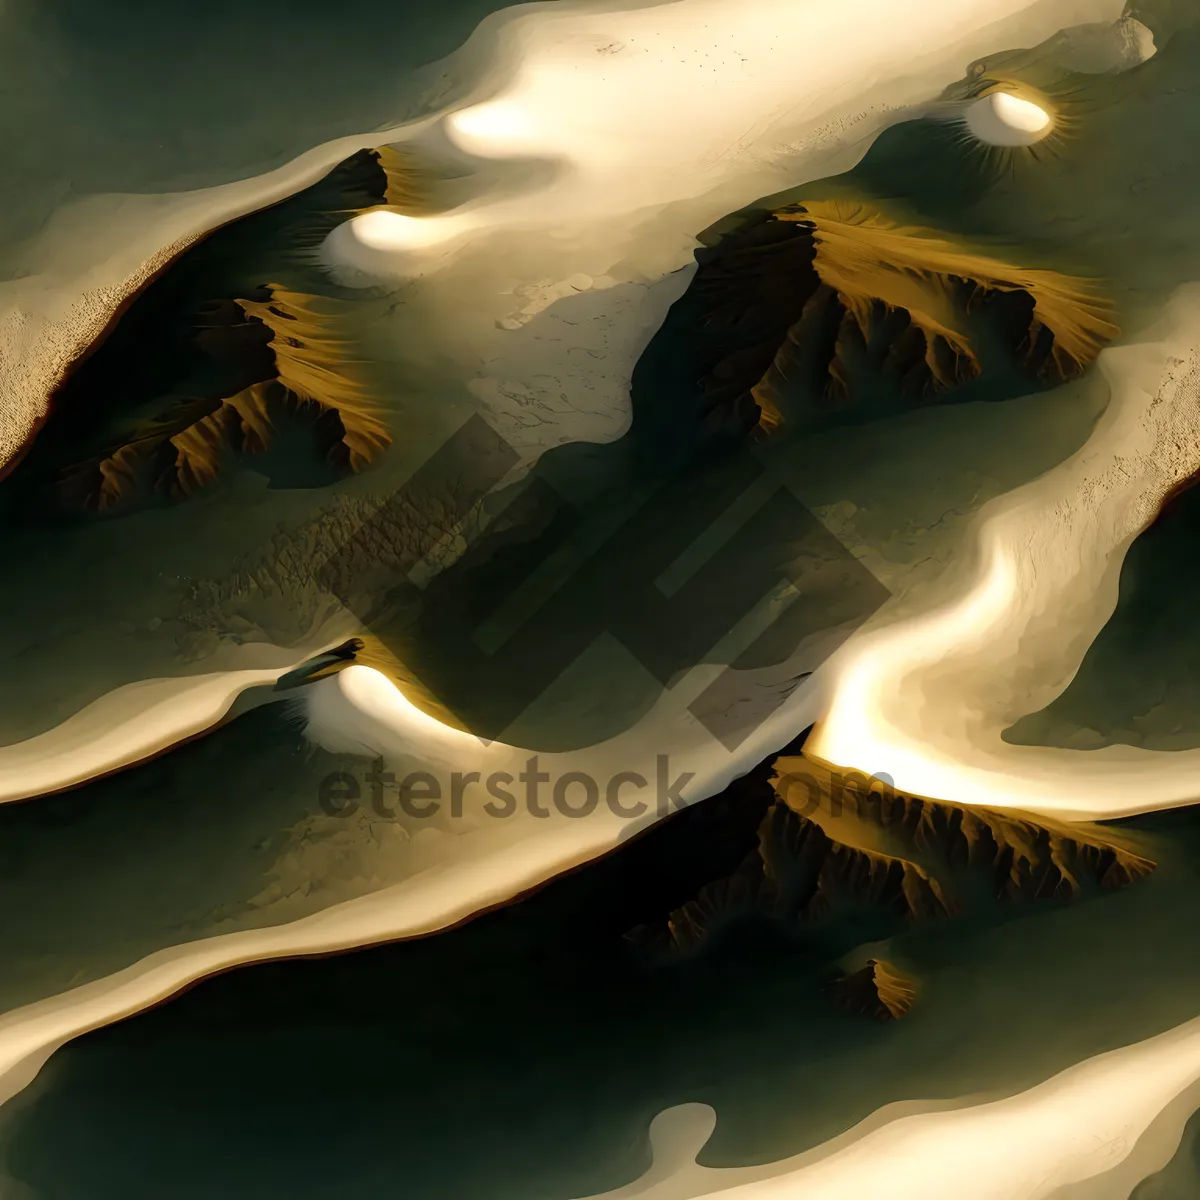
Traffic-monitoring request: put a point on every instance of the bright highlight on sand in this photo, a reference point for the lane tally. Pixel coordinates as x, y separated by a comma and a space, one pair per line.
928, 698
386, 230
357, 244
1003, 119
487, 128
704, 105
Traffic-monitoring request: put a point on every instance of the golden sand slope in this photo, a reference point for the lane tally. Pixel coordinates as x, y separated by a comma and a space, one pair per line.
316, 377
867, 260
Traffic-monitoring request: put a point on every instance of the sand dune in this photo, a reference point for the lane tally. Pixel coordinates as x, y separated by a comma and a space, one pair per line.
728, 97
928, 699
1095, 1130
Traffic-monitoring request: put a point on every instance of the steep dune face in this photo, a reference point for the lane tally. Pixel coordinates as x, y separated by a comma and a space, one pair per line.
871, 262
1017, 855
849, 861
799, 874
307, 375
815, 309
725, 331
210, 362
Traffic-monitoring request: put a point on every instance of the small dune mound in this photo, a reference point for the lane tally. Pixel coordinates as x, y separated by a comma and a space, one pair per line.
875, 990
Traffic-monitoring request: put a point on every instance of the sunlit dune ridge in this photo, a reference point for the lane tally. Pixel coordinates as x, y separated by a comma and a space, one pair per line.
868, 258
479, 863
928, 698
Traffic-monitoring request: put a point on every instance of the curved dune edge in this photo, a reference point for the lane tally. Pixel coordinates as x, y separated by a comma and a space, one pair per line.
51, 320
927, 698
28, 1036
1094, 1130
489, 864
435, 901
132, 724
24, 402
